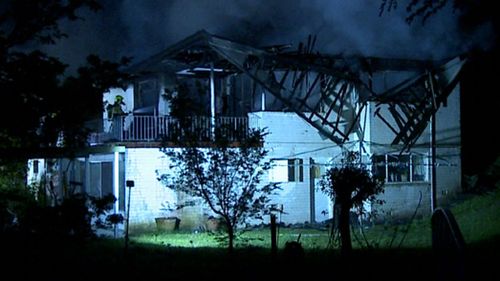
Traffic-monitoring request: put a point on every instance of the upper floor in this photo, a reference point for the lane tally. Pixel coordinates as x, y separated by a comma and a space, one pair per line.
217, 83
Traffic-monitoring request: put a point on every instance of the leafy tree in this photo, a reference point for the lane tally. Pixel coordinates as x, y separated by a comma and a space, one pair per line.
226, 178
77, 216
44, 107
349, 186
46, 103
471, 14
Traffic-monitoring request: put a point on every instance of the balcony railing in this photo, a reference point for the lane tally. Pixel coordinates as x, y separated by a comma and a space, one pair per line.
134, 128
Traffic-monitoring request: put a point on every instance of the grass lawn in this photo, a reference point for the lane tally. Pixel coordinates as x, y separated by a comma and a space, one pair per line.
187, 256
478, 218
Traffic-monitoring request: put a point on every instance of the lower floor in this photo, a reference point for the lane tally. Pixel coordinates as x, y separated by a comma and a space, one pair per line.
132, 176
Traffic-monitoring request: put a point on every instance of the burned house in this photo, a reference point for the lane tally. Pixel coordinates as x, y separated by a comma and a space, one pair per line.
402, 116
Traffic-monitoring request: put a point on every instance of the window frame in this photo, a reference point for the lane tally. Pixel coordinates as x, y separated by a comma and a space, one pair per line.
391, 172
294, 170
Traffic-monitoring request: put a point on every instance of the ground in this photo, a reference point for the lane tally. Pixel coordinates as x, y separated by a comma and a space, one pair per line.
189, 256
106, 259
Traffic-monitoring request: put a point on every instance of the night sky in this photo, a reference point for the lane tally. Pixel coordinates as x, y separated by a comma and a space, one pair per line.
141, 28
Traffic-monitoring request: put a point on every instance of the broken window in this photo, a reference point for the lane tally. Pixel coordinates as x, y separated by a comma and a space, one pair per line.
400, 168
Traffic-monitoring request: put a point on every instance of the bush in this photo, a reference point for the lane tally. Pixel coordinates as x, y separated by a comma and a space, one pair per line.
77, 216
14, 203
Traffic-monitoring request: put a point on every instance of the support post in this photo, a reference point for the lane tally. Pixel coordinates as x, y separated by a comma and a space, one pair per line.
86, 182
312, 197
212, 102
433, 145
263, 101
129, 184
274, 246
433, 164
116, 180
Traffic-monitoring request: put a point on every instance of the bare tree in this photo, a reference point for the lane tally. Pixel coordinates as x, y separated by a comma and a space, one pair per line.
226, 176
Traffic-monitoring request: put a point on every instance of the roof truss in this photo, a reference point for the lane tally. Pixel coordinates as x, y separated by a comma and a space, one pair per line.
326, 91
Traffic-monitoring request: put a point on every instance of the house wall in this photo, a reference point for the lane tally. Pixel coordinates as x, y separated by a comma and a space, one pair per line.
148, 196
36, 170
402, 198
290, 137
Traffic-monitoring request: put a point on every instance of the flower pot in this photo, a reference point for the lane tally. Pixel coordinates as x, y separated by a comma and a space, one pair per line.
167, 223
212, 224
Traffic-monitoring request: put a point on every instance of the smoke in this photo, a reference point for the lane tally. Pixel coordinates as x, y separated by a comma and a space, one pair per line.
142, 28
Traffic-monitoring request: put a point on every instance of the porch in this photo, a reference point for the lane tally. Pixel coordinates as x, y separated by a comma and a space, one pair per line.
143, 128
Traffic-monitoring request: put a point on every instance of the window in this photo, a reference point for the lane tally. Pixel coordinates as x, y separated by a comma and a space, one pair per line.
287, 170
101, 180
400, 168
146, 96
296, 170
35, 166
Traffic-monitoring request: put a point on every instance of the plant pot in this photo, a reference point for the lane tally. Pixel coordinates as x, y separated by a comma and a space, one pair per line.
212, 224
167, 223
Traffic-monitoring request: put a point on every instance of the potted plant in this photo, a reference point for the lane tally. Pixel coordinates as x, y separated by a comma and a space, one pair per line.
213, 223
164, 224
169, 222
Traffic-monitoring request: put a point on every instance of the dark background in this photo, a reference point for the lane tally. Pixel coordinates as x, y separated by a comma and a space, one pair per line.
141, 28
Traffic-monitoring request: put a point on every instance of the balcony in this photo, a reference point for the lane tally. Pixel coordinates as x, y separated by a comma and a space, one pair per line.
140, 128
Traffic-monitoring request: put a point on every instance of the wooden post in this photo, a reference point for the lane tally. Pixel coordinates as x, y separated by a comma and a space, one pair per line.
312, 199
274, 247
129, 184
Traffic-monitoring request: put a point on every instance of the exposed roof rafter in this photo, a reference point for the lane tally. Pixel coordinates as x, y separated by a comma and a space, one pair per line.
343, 95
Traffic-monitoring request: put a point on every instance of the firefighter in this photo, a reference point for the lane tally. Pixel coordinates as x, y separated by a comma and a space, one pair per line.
115, 108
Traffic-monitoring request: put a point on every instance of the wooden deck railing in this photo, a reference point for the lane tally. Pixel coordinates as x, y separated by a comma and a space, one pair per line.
138, 128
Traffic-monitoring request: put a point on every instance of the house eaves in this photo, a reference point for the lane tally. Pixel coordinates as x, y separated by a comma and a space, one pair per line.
283, 74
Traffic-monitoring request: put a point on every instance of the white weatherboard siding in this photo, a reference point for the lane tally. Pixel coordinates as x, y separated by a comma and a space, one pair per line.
148, 195
402, 198
290, 137
36, 170
448, 136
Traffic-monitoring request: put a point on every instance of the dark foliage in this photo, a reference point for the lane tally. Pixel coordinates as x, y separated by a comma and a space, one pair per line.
349, 186
425, 9
76, 217
293, 252
50, 107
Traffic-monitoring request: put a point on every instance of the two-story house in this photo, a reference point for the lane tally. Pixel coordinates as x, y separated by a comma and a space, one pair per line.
315, 107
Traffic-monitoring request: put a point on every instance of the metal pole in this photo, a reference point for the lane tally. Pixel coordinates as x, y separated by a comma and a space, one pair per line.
116, 180
433, 146
263, 101
433, 163
212, 102
129, 185
312, 199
